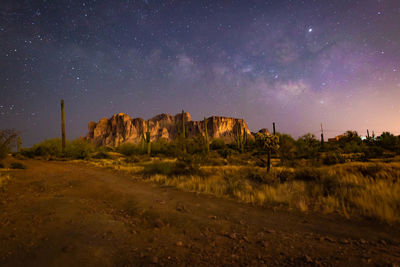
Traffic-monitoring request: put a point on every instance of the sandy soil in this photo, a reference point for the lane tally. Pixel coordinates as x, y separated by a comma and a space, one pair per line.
71, 214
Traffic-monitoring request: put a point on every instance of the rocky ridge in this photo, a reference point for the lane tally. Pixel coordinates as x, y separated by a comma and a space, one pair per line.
121, 128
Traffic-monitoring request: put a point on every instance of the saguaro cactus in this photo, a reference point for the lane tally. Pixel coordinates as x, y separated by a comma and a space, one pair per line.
146, 138
206, 143
62, 126
240, 137
184, 133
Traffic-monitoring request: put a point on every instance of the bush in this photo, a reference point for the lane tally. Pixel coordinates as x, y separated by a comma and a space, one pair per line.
17, 165
158, 167
332, 158
132, 159
49, 147
101, 155
128, 149
28, 152
187, 165
217, 144
226, 152
79, 149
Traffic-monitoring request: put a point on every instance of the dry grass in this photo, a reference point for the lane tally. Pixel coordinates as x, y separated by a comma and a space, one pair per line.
4, 178
368, 189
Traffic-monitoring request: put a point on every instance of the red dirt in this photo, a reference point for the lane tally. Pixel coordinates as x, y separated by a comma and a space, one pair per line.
71, 214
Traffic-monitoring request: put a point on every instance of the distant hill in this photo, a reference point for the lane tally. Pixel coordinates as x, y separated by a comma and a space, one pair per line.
121, 128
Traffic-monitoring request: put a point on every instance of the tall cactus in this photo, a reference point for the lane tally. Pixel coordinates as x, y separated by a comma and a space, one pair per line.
240, 138
62, 127
206, 142
184, 133
146, 138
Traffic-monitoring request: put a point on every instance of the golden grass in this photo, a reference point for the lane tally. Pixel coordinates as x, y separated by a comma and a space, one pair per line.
4, 178
368, 189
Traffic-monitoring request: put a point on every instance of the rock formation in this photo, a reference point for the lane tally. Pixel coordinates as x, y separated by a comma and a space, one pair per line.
121, 128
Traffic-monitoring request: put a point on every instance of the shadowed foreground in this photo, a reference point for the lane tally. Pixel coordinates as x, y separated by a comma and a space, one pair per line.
66, 214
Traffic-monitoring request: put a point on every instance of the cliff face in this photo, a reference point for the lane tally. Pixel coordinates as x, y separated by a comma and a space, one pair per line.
121, 128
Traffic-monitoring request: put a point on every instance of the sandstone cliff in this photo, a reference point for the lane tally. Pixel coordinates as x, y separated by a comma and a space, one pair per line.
121, 128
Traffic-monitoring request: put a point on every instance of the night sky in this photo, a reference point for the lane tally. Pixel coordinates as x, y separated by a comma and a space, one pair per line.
298, 63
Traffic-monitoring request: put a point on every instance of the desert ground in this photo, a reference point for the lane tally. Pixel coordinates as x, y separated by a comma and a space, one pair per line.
63, 213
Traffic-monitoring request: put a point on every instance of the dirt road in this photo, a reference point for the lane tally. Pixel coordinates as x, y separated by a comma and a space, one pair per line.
71, 214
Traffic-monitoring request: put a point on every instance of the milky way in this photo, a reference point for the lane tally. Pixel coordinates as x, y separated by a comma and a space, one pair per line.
298, 63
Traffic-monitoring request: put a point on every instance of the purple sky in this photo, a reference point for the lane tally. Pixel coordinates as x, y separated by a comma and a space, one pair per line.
298, 63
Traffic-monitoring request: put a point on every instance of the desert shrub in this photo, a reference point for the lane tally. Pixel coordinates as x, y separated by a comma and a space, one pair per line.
287, 149
128, 149
195, 145
388, 141
101, 155
214, 161
79, 149
28, 152
308, 146
158, 167
17, 165
217, 144
226, 152
49, 147
285, 175
132, 159
188, 165
333, 157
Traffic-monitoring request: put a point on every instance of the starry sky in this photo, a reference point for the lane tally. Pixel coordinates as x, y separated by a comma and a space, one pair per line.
298, 63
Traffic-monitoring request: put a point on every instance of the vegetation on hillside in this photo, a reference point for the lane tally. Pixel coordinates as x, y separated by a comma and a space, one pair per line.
350, 177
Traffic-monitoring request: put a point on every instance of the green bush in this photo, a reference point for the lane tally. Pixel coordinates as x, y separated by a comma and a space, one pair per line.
49, 147
79, 149
187, 165
17, 165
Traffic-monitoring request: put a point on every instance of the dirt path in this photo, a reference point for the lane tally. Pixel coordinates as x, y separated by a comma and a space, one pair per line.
70, 214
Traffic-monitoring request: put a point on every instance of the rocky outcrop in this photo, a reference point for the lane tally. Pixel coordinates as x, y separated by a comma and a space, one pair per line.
121, 128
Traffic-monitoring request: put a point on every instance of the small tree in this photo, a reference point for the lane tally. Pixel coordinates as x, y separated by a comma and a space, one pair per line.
8, 138
269, 143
